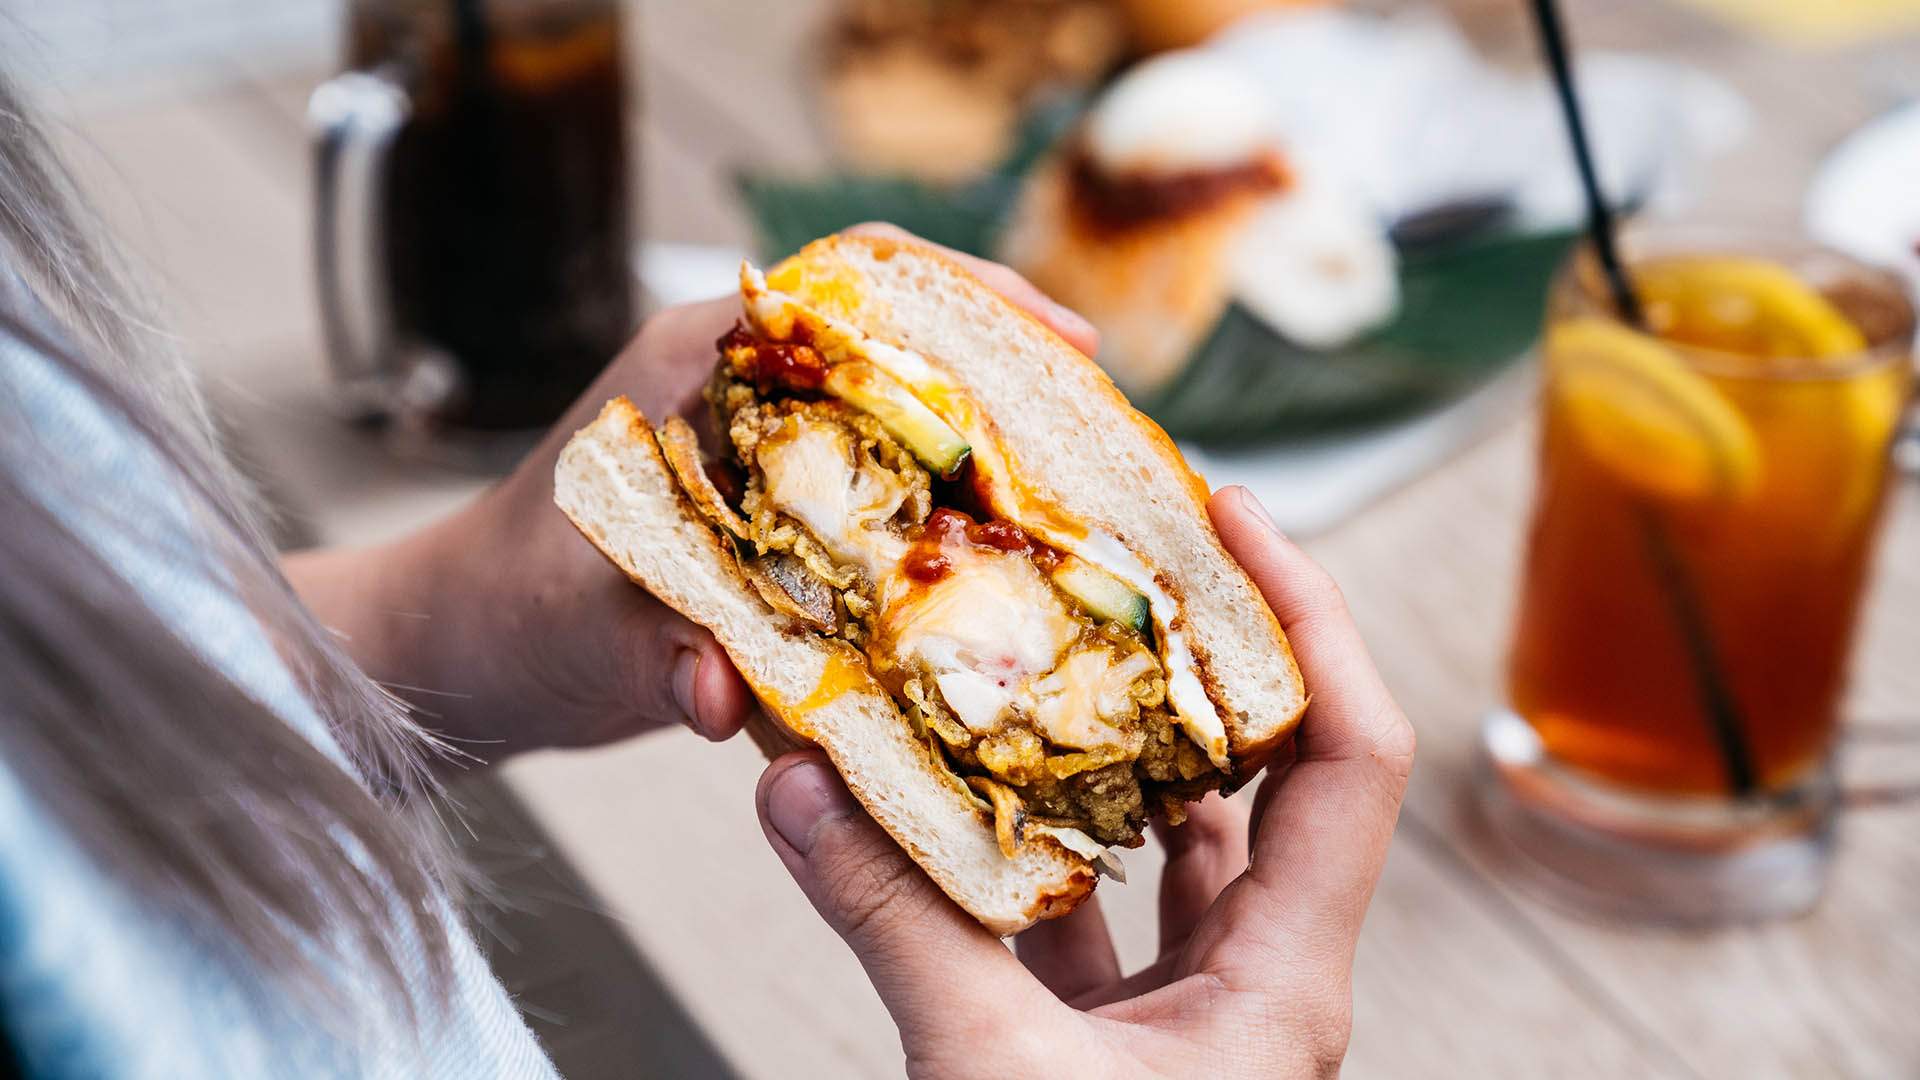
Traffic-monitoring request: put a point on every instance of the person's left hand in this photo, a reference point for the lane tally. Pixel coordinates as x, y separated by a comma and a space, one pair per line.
508, 631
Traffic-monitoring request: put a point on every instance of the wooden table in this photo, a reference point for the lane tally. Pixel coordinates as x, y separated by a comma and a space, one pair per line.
646, 921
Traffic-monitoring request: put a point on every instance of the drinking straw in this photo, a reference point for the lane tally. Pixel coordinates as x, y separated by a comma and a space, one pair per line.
1599, 214
1723, 714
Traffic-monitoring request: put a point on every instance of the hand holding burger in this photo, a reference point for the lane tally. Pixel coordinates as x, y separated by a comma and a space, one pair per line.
941, 546
1257, 934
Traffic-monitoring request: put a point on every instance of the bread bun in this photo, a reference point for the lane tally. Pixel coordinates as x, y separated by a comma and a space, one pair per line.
1072, 441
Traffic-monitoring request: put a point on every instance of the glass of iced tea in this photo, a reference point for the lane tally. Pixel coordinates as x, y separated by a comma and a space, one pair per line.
1710, 480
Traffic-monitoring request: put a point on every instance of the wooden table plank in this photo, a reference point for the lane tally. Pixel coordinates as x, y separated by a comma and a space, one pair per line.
596, 1004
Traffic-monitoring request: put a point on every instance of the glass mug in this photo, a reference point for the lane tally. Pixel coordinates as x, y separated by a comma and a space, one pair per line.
472, 209
1706, 506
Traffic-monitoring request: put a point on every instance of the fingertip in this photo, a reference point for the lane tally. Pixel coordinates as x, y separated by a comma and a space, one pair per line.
878, 228
780, 765
1248, 533
1299, 591
709, 693
1236, 511
683, 681
765, 784
795, 794
1074, 329
722, 698
1077, 329
1254, 508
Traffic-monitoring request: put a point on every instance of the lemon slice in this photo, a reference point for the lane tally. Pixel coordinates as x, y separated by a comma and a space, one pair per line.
1873, 404
1639, 410
1870, 406
1748, 306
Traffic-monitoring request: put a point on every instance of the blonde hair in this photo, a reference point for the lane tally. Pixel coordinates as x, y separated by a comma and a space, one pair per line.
171, 775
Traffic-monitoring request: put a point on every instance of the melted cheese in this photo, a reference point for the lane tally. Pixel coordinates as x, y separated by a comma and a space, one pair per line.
843, 672
774, 314
986, 630
992, 631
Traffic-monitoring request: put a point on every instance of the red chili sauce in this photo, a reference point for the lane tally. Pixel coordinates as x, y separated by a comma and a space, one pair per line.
927, 562
787, 364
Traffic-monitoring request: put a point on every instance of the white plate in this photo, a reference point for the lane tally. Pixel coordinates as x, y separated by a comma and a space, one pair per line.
1865, 198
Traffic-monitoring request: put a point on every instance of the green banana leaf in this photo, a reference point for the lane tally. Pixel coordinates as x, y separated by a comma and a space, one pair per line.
1467, 310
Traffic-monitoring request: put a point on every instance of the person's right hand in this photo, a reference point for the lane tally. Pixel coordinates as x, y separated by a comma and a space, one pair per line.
1257, 932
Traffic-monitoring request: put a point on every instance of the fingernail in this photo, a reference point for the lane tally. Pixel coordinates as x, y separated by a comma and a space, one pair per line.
800, 797
1253, 506
686, 673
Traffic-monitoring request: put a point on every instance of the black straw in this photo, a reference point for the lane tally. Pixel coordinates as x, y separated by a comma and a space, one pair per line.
1716, 697
1723, 712
1599, 214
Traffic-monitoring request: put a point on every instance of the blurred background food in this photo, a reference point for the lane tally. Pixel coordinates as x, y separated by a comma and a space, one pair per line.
1137, 219
937, 89
1310, 200
1349, 327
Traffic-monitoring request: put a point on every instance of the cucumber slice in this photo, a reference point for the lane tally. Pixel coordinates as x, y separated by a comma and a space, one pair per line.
927, 437
1106, 597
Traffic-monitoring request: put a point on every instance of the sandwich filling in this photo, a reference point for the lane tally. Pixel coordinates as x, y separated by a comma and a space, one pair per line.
1039, 661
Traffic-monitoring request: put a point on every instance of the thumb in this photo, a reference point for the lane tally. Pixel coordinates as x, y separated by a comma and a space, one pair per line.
659, 668
938, 972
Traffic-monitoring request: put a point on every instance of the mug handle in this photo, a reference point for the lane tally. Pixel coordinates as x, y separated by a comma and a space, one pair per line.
353, 119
